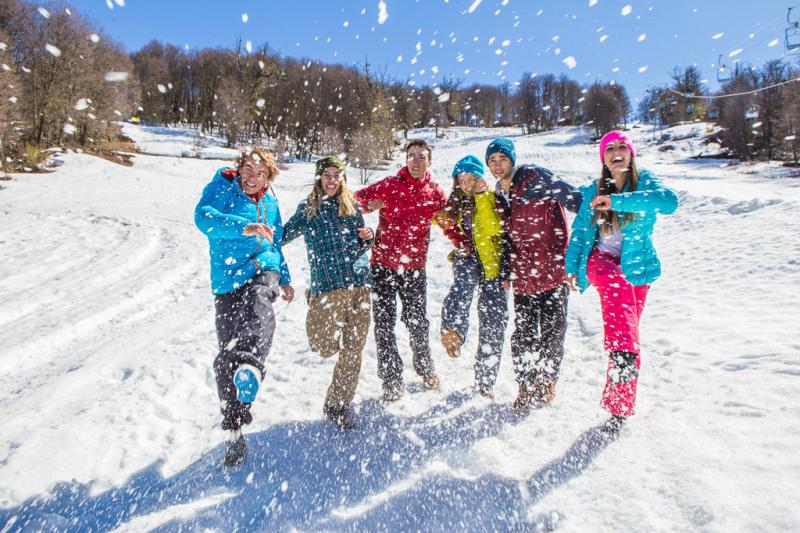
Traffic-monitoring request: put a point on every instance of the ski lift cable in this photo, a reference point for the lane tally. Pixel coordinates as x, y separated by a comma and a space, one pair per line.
753, 34
716, 97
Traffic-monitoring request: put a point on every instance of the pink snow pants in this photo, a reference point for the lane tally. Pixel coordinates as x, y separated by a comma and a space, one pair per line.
622, 305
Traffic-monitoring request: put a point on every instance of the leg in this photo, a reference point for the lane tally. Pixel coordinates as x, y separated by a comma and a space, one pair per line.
412, 292
622, 379
492, 320
356, 308
327, 313
553, 325
455, 309
384, 310
618, 302
525, 339
245, 325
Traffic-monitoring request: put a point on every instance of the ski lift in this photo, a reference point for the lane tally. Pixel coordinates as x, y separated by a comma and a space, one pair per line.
690, 109
723, 72
713, 114
751, 113
792, 41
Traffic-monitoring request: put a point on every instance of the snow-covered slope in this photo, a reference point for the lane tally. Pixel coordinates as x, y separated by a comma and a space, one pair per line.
109, 417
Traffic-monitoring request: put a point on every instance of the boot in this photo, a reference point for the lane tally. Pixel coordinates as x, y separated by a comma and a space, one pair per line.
247, 379
525, 399
431, 381
452, 341
340, 416
486, 392
235, 449
613, 424
547, 391
392, 391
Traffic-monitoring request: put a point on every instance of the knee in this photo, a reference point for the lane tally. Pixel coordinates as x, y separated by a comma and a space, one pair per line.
625, 368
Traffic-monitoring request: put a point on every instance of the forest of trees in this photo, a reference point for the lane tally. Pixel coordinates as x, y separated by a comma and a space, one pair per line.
64, 83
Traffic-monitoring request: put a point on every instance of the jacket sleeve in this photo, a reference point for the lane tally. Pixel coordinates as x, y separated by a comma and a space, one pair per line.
296, 225
566, 194
487, 221
581, 228
376, 191
286, 278
655, 197
212, 221
451, 230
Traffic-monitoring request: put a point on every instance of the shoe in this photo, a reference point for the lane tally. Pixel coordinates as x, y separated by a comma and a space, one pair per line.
525, 399
247, 380
431, 381
486, 392
613, 424
547, 392
392, 391
235, 449
452, 341
340, 416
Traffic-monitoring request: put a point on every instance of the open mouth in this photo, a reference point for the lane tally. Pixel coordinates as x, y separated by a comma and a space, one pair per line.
617, 159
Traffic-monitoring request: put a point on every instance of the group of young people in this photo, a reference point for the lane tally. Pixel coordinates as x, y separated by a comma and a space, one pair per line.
513, 238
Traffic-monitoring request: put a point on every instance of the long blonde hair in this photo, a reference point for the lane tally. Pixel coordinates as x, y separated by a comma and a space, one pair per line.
347, 202
608, 221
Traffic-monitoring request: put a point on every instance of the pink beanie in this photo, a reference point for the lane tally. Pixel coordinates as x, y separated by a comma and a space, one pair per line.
612, 136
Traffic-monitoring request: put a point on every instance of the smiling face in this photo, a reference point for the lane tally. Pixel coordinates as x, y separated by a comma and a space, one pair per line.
331, 180
254, 175
500, 165
617, 157
418, 160
466, 181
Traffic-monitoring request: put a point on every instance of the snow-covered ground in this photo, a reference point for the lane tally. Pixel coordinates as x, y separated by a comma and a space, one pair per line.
109, 413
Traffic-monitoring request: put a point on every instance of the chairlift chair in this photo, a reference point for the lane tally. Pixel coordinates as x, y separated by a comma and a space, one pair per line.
723, 72
751, 113
792, 41
713, 114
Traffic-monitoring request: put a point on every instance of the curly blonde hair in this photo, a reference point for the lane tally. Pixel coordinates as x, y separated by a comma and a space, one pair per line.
259, 155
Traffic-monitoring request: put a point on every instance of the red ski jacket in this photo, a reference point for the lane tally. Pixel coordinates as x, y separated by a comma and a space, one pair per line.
404, 225
537, 228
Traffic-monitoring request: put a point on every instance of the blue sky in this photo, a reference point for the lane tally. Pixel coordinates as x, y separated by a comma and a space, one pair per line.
636, 43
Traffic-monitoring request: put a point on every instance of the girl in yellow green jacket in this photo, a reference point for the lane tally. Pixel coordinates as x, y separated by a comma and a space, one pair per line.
479, 263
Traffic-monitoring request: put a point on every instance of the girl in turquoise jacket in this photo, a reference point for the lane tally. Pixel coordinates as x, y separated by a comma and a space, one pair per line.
611, 247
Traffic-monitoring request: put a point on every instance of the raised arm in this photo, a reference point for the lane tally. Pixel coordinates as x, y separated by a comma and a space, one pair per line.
654, 196
296, 225
212, 221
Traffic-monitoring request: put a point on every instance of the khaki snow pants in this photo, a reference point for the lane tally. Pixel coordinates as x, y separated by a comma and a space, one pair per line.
337, 324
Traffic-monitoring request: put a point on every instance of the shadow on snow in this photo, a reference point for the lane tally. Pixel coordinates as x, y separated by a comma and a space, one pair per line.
309, 476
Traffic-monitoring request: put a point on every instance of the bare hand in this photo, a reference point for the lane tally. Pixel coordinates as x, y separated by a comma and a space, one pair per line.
572, 282
463, 252
506, 285
601, 203
259, 230
287, 293
479, 187
374, 205
365, 233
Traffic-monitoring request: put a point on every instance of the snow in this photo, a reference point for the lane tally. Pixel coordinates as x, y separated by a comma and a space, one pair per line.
109, 407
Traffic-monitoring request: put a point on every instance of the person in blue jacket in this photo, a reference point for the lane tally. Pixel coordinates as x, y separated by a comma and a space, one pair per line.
339, 301
240, 216
611, 247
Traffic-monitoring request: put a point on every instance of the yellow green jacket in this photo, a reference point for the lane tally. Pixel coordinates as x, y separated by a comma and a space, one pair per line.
483, 225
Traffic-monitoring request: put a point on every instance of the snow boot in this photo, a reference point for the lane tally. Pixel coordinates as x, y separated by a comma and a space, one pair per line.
452, 342
340, 416
235, 449
526, 398
431, 381
392, 391
546, 391
247, 380
613, 425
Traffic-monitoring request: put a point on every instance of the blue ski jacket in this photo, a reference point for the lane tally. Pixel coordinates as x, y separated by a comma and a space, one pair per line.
221, 214
638, 261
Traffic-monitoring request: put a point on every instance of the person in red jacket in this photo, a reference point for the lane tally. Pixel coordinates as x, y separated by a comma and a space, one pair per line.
534, 202
408, 202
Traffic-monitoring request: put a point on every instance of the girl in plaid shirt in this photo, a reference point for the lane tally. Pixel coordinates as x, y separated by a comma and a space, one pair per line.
339, 301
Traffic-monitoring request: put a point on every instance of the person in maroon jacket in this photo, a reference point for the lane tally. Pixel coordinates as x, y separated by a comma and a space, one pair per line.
534, 201
408, 203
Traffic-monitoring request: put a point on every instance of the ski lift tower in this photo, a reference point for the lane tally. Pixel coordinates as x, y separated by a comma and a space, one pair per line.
792, 41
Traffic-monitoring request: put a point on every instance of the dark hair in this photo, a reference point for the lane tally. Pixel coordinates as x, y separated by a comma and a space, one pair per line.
606, 186
419, 142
